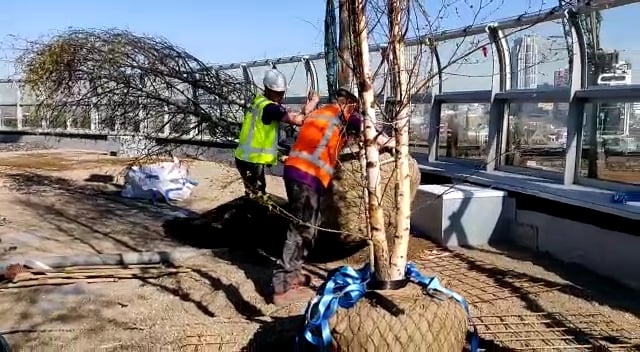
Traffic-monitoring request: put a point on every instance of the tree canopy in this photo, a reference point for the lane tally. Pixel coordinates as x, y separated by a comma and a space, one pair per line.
130, 83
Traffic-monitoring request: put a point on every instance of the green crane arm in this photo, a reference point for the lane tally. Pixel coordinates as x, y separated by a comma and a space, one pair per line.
590, 24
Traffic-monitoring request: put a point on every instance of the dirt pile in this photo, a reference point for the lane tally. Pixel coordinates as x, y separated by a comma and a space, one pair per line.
245, 224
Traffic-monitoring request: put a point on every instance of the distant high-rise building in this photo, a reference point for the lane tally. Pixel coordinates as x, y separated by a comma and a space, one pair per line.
524, 63
561, 78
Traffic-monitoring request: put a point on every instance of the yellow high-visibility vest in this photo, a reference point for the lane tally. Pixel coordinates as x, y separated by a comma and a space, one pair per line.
258, 143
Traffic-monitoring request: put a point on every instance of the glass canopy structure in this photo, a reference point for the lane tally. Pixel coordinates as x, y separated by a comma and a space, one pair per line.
512, 97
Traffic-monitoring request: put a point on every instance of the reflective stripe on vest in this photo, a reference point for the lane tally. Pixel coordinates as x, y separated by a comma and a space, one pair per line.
246, 148
334, 123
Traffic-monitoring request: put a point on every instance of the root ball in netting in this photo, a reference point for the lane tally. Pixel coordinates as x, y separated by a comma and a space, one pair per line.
427, 324
344, 205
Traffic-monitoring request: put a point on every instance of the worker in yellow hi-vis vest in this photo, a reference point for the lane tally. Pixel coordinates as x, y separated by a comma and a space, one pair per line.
258, 140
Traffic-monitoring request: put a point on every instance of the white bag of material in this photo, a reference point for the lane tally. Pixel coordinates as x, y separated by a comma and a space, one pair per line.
167, 180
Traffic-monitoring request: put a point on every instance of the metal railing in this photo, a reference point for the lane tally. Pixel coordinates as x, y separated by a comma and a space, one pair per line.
577, 95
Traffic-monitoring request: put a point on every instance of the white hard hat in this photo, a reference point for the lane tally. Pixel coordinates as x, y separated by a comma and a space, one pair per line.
274, 80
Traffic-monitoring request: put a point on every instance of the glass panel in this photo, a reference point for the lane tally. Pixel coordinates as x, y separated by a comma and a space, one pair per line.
321, 70
8, 93
613, 152
27, 97
155, 123
132, 122
80, 117
420, 80
30, 119
539, 56
419, 124
464, 131
180, 124
418, 128
467, 63
288, 133
617, 62
57, 121
236, 73
537, 135
296, 77
420, 67
8, 114
106, 121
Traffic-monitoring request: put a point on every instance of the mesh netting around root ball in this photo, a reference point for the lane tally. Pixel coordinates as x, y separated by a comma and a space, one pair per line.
428, 324
344, 206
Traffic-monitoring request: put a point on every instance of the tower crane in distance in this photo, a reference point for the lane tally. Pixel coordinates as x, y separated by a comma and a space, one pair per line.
603, 68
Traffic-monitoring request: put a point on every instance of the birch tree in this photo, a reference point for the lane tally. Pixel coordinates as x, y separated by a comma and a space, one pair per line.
398, 23
363, 77
403, 18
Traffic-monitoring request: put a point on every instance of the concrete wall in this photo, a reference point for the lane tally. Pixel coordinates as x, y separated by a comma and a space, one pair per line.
125, 146
609, 253
97, 143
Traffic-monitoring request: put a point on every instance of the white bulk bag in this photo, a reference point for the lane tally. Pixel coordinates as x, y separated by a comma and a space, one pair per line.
167, 180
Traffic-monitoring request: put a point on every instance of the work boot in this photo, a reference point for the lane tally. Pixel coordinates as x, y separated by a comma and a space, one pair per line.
295, 294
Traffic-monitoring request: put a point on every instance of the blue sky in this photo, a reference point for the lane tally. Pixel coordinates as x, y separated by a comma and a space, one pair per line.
241, 30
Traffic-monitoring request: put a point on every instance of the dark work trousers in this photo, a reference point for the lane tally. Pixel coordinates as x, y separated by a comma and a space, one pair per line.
304, 204
252, 177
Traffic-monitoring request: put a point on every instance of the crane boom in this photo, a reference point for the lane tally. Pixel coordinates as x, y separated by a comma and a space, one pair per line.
566, 29
601, 65
598, 61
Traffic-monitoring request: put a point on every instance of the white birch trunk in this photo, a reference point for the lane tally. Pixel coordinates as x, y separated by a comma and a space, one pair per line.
365, 88
396, 12
345, 78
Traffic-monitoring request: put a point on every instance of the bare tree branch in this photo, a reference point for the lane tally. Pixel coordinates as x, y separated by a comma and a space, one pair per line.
130, 84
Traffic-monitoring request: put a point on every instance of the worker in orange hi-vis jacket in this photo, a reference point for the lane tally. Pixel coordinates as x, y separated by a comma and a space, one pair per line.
308, 170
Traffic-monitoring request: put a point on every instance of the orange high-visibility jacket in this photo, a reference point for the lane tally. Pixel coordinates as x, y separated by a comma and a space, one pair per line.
319, 142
